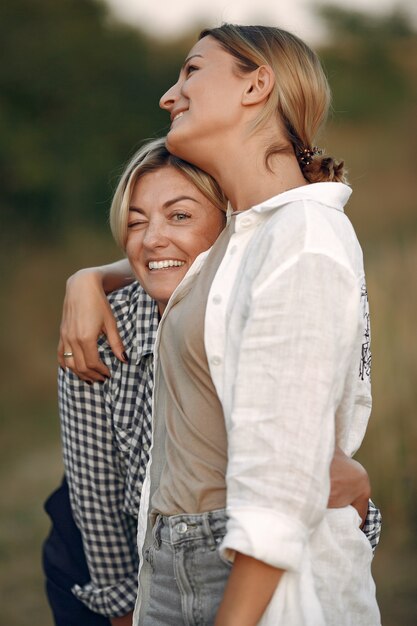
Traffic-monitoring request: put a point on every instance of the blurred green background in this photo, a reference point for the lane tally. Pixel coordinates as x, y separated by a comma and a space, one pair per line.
79, 91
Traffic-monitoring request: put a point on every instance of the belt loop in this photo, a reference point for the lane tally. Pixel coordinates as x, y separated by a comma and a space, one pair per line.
211, 542
156, 531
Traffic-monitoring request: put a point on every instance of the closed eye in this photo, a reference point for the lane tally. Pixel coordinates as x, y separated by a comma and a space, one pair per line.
190, 68
136, 223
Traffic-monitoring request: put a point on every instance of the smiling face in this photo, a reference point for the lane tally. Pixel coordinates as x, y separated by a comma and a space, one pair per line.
205, 103
170, 223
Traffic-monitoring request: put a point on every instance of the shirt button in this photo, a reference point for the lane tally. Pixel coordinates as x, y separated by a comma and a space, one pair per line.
181, 528
216, 360
217, 299
145, 447
246, 222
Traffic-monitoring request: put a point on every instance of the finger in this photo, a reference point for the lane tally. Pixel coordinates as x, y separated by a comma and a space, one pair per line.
85, 361
60, 354
74, 362
64, 347
69, 361
92, 359
87, 370
114, 340
71, 367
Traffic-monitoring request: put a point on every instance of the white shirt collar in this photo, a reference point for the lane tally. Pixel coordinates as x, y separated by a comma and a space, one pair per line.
333, 195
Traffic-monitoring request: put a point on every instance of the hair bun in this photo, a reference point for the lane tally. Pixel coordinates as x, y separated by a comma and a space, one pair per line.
322, 169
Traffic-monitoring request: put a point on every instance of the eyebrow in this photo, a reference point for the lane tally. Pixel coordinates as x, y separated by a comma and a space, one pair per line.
166, 204
169, 203
189, 59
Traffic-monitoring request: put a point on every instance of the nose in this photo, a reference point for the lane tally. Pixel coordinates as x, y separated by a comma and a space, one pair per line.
155, 237
170, 97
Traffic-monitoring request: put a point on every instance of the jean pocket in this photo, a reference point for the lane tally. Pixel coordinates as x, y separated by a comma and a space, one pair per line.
149, 555
221, 556
155, 542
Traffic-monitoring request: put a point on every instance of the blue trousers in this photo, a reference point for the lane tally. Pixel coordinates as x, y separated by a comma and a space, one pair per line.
64, 564
188, 573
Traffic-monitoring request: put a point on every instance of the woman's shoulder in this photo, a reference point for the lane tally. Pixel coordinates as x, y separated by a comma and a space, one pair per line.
310, 225
134, 311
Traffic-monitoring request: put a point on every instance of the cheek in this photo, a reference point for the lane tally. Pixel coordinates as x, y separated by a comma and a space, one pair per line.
133, 249
133, 253
204, 239
214, 229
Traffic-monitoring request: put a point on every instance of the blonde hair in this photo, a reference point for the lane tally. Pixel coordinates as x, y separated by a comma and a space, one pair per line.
301, 94
151, 157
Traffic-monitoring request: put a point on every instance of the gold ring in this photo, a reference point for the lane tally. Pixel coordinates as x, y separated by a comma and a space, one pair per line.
68, 355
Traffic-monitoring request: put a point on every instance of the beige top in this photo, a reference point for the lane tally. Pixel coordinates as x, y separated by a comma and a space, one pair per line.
193, 476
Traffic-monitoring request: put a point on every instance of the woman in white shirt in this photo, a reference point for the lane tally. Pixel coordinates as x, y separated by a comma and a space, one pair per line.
286, 340
286, 326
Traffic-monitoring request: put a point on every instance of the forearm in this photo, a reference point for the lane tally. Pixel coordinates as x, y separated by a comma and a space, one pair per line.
350, 484
111, 276
248, 592
361, 504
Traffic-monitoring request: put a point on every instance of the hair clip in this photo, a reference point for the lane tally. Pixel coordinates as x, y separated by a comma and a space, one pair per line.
305, 156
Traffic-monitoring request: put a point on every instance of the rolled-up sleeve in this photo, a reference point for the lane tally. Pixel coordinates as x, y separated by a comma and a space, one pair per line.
294, 356
97, 490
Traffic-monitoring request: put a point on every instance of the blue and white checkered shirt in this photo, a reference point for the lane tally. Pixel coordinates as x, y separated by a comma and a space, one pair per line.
106, 437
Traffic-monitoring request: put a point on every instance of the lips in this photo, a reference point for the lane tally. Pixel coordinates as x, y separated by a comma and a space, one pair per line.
175, 115
164, 264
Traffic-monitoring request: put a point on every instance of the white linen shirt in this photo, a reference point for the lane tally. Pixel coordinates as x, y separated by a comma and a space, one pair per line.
287, 342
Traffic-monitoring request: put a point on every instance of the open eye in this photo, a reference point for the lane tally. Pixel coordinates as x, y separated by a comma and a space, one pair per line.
181, 216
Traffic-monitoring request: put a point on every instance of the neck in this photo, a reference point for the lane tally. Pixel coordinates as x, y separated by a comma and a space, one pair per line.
245, 178
246, 186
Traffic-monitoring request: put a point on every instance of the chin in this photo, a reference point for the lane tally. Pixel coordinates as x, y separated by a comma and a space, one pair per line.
178, 144
183, 147
172, 146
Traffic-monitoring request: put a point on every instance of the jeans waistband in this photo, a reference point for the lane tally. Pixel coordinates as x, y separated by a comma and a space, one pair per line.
174, 529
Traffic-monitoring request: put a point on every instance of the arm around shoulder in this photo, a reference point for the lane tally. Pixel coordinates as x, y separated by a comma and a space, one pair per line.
86, 315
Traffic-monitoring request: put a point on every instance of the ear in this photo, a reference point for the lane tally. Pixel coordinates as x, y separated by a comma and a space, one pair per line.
260, 85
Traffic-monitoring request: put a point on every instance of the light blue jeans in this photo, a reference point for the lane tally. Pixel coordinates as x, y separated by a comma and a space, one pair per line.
188, 574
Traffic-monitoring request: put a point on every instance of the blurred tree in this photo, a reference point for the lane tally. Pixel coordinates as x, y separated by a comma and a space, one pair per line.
366, 61
78, 93
357, 24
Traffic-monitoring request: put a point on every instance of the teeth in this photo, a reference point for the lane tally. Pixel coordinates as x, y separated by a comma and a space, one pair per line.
178, 115
160, 265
